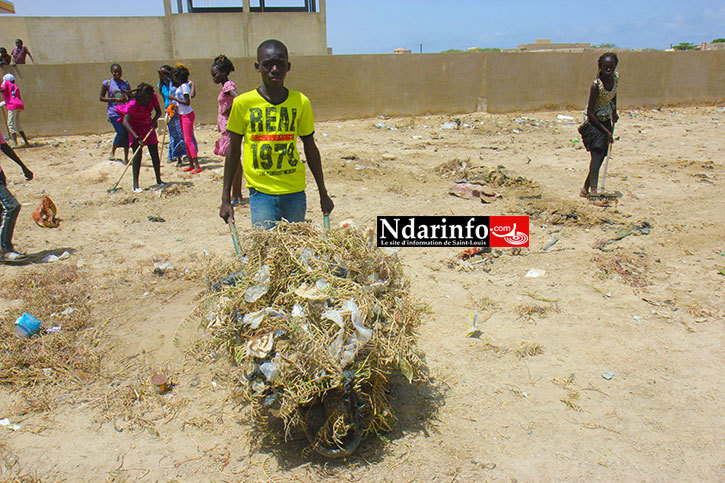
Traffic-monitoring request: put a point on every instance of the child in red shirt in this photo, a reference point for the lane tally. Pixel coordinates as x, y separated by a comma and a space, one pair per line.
136, 117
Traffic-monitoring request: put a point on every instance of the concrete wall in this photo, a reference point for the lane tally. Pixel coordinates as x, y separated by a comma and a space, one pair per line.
69, 40
64, 98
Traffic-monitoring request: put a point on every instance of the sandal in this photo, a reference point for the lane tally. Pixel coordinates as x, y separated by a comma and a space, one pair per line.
583, 193
188, 168
196, 171
13, 256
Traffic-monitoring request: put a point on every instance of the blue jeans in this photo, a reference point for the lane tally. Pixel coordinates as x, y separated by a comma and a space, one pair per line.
266, 210
121, 139
9, 209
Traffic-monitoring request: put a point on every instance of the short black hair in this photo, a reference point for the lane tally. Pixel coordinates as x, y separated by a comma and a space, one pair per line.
272, 43
143, 88
181, 72
605, 55
223, 64
115, 65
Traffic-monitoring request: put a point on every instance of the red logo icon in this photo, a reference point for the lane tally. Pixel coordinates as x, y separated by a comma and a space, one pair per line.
509, 231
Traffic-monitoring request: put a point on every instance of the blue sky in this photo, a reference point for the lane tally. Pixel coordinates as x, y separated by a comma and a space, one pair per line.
379, 26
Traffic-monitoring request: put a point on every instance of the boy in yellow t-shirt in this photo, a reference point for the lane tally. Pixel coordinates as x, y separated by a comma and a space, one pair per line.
269, 119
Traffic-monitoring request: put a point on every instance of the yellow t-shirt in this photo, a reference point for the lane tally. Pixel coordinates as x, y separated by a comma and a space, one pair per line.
270, 158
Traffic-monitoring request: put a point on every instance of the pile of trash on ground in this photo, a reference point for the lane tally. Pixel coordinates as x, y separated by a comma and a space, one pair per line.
316, 322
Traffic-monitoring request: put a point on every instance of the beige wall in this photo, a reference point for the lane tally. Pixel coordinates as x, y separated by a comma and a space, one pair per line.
69, 40
64, 98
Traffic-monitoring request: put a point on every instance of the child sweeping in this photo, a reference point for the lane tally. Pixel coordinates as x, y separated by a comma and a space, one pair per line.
141, 126
15, 106
220, 70
598, 131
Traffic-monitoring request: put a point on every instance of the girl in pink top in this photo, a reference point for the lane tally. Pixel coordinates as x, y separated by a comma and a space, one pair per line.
137, 119
14, 104
220, 70
182, 98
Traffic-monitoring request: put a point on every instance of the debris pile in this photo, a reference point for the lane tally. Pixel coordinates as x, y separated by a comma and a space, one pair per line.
316, 322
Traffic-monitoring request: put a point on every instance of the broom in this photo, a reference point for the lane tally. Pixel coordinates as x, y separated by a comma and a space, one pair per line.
115, 187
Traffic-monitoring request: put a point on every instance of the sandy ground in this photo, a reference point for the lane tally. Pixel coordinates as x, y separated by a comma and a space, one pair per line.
525, 401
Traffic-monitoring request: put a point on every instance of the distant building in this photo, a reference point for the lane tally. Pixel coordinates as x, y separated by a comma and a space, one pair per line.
401, 51
710, 46
545, 45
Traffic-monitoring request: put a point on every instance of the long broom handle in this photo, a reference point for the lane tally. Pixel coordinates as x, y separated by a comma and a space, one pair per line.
235, 235
130, 162
604, 174
163, 136
606, 162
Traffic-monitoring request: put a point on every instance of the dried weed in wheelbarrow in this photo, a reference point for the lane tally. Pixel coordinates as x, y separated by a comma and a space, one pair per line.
316, 323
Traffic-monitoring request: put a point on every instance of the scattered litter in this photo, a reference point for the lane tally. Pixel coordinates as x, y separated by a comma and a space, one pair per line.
27, 325
575, 140
161, 268
380, 125
473, 318
551, 243
470, 191
388, 156
535, 273
44, 215
562, 117
449, 125
53, 329
156, 219
390, 250
69, 311
54, 258
641, 228
607, 375
260, 287
637, 317
6, 423
160, 383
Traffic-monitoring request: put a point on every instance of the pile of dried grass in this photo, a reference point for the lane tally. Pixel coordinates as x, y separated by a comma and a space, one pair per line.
632, 270
498, 176
316, 322
58, 297
455, 168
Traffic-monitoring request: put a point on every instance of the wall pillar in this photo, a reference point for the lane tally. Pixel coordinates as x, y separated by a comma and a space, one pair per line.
245, 27
322, 6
